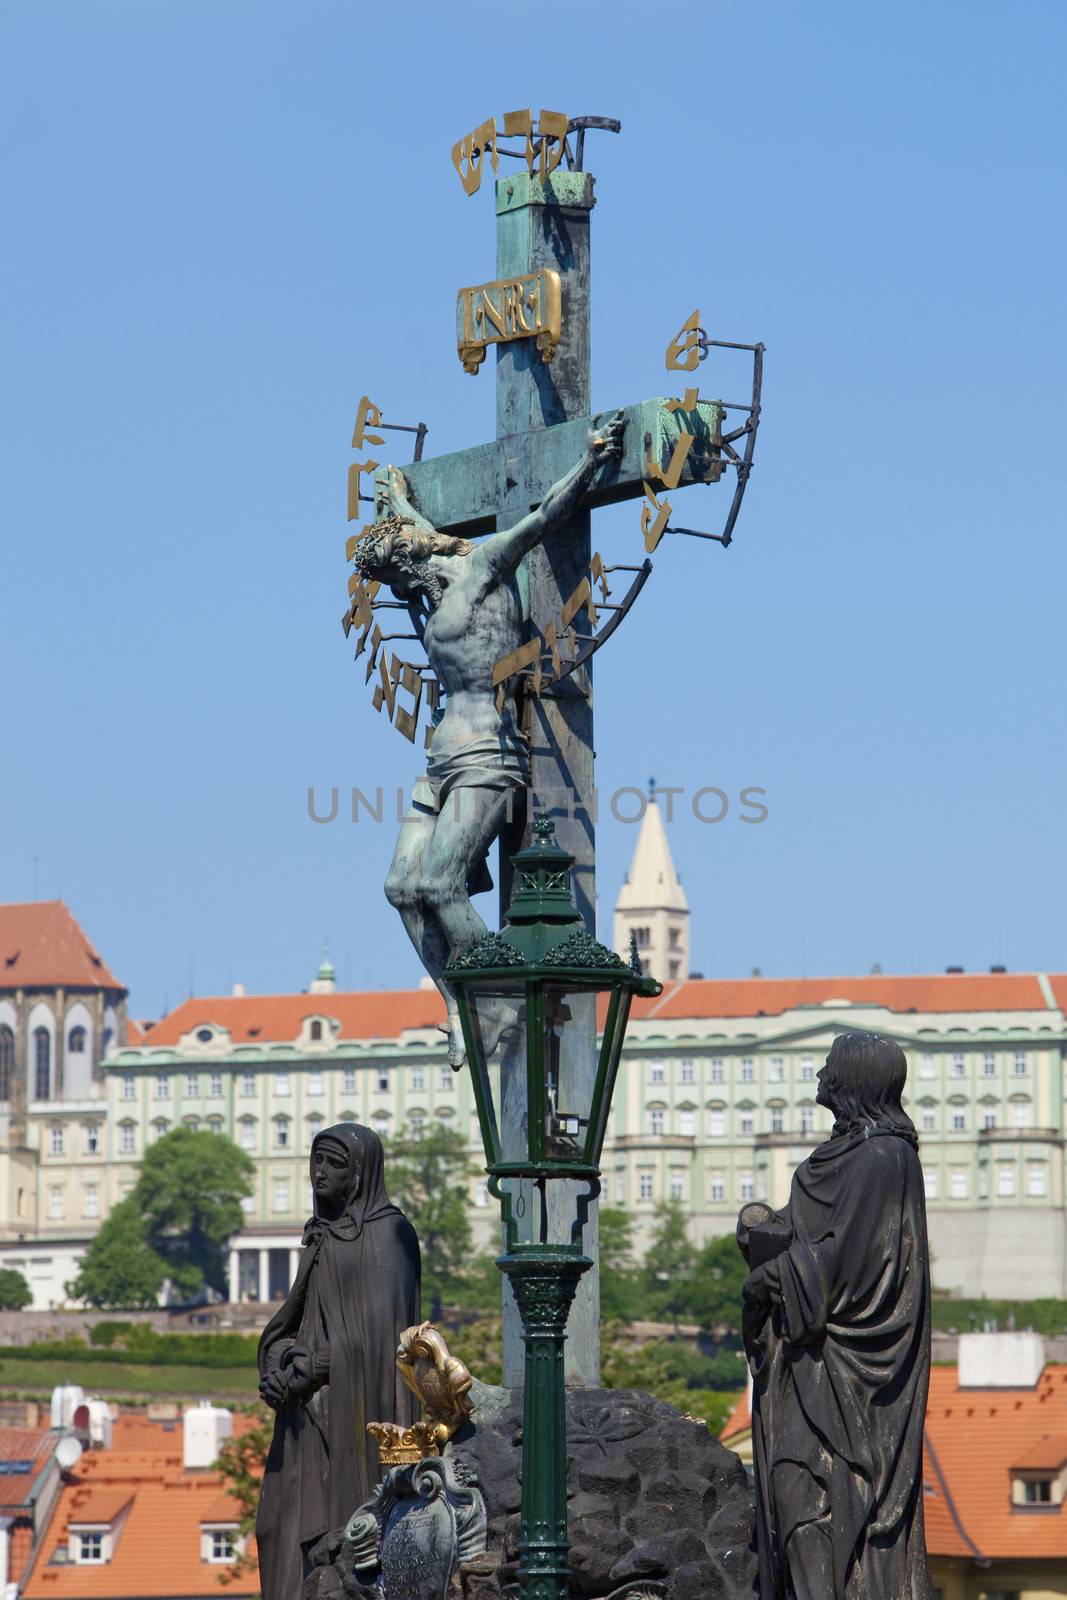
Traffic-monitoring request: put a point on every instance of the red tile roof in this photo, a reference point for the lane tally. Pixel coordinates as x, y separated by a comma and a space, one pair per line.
42, 946
385, 1014
167, 1507
1048, 1453
257, 1018
739, 1421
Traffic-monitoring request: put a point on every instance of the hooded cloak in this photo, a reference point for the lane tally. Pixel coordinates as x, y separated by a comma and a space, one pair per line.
837, 1331
356, 1290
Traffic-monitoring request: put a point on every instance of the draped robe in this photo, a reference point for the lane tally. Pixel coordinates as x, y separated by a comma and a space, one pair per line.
356, 1290
837, 1330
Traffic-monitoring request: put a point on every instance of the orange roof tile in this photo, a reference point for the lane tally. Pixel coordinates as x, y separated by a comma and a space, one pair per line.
42, 946
739, 1420
258, 1018
1048, 1453
975, 1437
165, 1503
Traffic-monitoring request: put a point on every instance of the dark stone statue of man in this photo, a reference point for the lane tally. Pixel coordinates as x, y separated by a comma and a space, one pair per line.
465, 601
327, 1358
836, 1321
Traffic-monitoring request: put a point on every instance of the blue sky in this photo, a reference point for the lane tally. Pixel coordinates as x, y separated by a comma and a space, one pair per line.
227, 219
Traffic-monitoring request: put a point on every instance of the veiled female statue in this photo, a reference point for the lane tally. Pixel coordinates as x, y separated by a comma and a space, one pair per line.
327, 1358
837, 1331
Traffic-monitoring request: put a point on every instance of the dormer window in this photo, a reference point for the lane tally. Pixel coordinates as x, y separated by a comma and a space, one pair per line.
219, 1543
204, 1035
1037, 1492
89, 1546
315, 1031
1039, 1478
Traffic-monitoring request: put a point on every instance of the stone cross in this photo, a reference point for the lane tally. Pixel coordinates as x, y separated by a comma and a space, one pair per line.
542, 412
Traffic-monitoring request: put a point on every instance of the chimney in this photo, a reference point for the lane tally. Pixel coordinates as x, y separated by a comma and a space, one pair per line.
1000, 1360
204, 1429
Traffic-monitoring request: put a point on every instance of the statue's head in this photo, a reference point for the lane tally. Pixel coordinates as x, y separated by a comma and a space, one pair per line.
863, 1079
411, 560
346, 1169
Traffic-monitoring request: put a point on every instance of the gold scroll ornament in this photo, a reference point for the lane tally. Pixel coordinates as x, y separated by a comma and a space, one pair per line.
441, 1384
527, 307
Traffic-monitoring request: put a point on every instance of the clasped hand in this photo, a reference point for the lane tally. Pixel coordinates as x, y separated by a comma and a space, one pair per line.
290, 1381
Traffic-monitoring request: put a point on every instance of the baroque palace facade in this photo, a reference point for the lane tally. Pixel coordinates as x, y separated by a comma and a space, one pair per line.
715, 1102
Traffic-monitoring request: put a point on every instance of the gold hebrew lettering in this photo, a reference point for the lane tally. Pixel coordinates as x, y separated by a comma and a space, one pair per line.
653, 531
515, 660
355, 472
387, 685
406, 722
552, 648
690, 403
598, 575
582, 596
521, 122
552, 130
671, 478
368, 413
375, 646
683, 352
468, 154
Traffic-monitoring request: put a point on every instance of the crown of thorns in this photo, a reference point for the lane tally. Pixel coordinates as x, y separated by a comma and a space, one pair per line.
369, 550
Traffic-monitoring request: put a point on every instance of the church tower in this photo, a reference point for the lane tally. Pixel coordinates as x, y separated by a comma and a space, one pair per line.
652, 904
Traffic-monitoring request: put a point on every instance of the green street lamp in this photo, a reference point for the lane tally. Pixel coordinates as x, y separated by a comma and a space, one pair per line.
517, 990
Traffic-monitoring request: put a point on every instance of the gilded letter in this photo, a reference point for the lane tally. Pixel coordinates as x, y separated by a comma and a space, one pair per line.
653, 531
516, 122
683, 352
355, 472
464, 150
405, 722
368, 413
690, 403
552, 130
671, 478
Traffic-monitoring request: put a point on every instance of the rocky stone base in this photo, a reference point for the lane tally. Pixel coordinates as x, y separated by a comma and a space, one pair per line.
654, 1500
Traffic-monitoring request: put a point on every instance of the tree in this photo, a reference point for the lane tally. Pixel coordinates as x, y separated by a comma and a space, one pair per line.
715, 1290
189, 1192
620, 1289
427, 1172
120, 1268
241, 1462
15, 1292
669, 1264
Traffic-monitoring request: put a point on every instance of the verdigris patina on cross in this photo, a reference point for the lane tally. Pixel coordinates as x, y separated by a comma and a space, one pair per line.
508, 621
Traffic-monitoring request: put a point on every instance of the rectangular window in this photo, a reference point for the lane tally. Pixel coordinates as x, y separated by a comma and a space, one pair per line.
807, 1119
128, 1090
1038, 1492
620, 1190
677, 1186
746, 1187
192, 1085
162, 1087
747, 1122
717, 1191
748, 1069
248, 1085
777, 1119
930, 1184
959, 1183
655, 1072
655, 1122
959, 1065
989, 1064
644, 1186
716, 1123
247, 1129
127, 1139
418, 1080
55, 1140
90, 1200
222, 1545
315, 1084
92, 1138
718, 1070
989, 1117
89, 1548
446, 1081
1020, 1064
807, 1069
281, 1085
1036, 1180
929, 1118
383, 1080
776, 1071
1020, 1114
927, 1067
215, 1086
56, 1202
280, 1194
959, 1119
1005, 1179
687, 1123
685, 1072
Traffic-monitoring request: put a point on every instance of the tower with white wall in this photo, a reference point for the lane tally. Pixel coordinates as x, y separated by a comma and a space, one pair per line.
652, 905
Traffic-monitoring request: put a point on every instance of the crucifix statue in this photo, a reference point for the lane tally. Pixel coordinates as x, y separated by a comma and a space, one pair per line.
483, 606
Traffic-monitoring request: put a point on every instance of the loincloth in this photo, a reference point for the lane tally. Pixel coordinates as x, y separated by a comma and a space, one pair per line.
495, 762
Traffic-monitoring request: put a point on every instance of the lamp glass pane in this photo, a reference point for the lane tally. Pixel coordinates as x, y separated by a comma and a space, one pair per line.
570, 1070
610, 1053
497, 1009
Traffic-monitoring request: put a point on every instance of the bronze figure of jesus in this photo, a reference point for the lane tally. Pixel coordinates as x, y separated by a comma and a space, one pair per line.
479, 755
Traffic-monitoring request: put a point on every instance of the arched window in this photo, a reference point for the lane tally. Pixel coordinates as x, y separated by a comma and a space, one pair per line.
316, 1030
42, 1055
7, 1061
76, 1041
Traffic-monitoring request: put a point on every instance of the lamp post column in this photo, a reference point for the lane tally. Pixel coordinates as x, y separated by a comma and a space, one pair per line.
544, 1279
